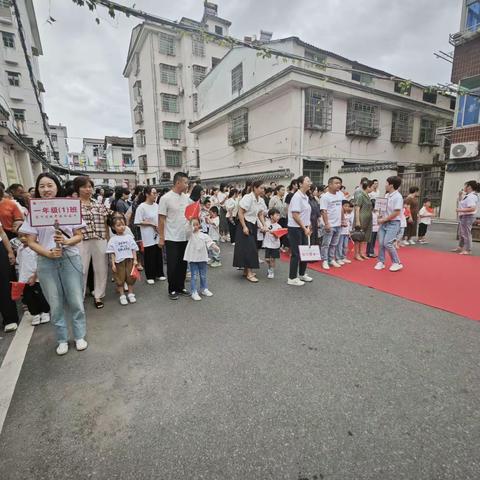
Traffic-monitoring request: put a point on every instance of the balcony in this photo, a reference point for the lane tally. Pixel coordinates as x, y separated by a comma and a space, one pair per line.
459, 38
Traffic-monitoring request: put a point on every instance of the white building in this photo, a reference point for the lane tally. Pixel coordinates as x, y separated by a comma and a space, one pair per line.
59, 136
275, 119
21, 102
164, 67
93, 154
119, 154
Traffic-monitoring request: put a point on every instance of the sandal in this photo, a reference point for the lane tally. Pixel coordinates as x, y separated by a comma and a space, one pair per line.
252, 278
98, 304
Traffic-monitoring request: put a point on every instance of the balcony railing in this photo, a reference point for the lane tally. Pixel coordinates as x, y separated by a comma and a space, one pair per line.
459, 38
444, 130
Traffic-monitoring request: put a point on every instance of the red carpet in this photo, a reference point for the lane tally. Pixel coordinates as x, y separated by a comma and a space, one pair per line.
442, 280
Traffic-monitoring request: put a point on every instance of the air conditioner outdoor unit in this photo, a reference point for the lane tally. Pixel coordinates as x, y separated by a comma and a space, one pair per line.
464, 150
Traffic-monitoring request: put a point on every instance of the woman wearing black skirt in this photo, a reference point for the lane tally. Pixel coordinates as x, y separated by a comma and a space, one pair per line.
250, 210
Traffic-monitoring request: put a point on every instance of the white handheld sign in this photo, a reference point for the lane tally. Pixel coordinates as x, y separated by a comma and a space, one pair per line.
54, 212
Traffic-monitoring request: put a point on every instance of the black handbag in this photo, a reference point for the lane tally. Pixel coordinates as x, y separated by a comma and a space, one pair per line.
358, 235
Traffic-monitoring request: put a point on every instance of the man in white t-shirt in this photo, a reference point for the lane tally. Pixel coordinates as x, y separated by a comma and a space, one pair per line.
332, 216
173, 234
389, 225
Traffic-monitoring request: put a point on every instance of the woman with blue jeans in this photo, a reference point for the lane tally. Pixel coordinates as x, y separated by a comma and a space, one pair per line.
390, 225
59, 270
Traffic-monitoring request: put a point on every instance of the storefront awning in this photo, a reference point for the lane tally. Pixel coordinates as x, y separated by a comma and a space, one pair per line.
263, 176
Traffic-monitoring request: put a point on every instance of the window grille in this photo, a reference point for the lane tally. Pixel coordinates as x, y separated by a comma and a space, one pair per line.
198, 46
173, 158
199, 74
127, 159
315, 56
428, 132
13, 79
168, 74
430, 97
195, 102
363, 78
140, 138
402, 126
8, 39
138, 114
171, 131
362, 119
237, 78
142, 162
169, 103
197, 159
167, 44
238, 127
137, 91
19, 114
218, 30
318, 110
5, 3
54, 137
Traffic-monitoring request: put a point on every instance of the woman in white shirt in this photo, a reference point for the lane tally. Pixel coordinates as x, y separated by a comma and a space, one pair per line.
251, 208
146, 217
467, 208
59, 268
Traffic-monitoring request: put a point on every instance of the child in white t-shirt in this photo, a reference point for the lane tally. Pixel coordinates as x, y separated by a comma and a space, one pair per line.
123, 249
425, 216
345, 231
196, 254
271, 243
213, 221
205, 214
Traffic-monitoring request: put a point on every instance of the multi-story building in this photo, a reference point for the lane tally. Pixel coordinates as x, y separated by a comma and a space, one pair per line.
164, 67
21, 102
59, 136
93, 154
272, 118
464, 161
119, 154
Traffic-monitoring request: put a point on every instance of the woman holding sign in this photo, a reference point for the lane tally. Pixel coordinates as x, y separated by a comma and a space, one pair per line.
299, 230
60, 269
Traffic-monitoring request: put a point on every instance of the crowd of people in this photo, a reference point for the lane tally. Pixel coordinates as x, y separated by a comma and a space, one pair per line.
126, 232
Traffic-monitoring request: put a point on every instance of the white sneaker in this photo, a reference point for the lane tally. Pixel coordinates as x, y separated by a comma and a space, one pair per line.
379, 266
341, 262
412, 242
62, 348
216, 264
10, 327
295, 281
335, 264
131, 298
123, 300
405, 243
270, 273
325, 266
81, 344
207, 293
196, 296
150, 281
306, 278
44, 318
36, 320
396, 267
162, 279
346, 260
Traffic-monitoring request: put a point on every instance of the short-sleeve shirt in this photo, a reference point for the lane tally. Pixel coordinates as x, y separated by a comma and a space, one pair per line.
9, 213
95, 216
468, 201
122, 246
299, 204
147, 213
252, 207
332, 203
394, 202
172, 206
45, 235
270, 240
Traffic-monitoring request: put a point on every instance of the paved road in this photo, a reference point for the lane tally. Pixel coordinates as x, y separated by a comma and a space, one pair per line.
330, 381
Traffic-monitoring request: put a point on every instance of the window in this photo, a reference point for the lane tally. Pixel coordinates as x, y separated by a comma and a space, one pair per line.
169, 103
198, 74
173, 158
315, 56
13, 79
362, 119
154, 180
215, 61
318, 110
363, 78
403, 88
472, 21
218, 30
138, 114
195, 102
140, 138
171, 131
238, 127
402, 127
137, 91
8, 39
468, 110
168, 74
167, 44
198, 46
19, 115
148, 181
54, 137
197, 158
428, 129
453, 103
430, 97
5, 3
127, 159
237, 78
142, 162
